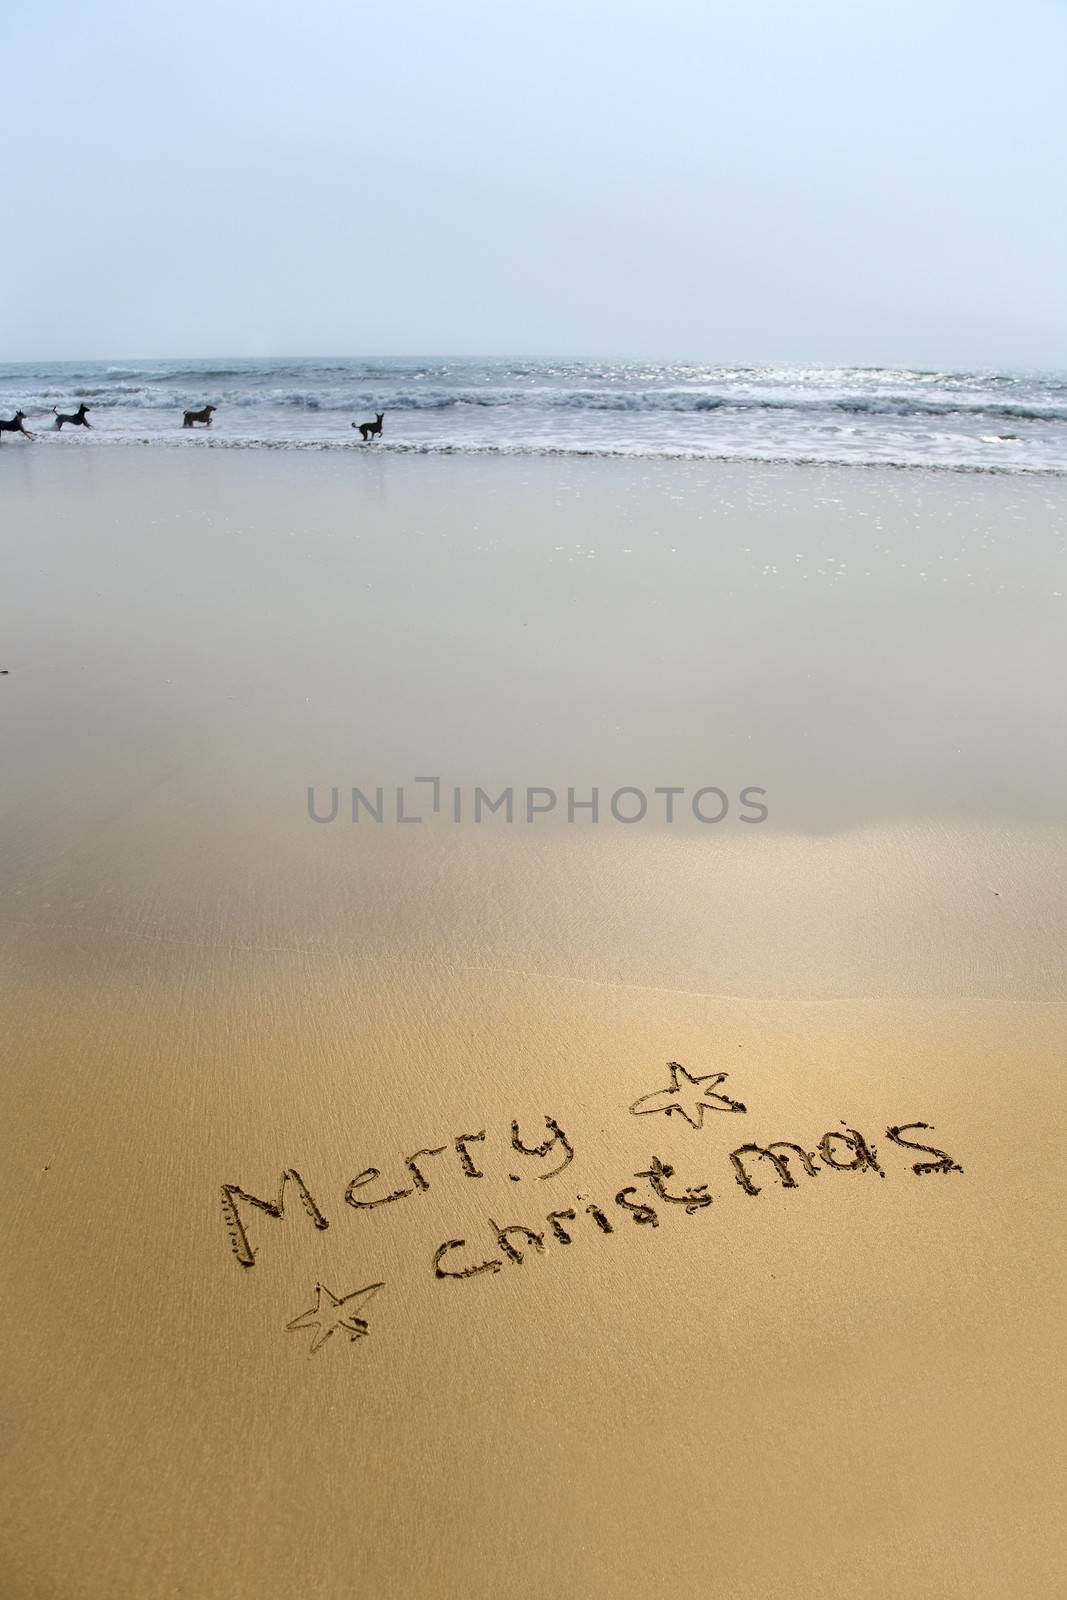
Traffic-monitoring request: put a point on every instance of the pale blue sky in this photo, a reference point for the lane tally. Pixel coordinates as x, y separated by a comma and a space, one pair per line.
870, 181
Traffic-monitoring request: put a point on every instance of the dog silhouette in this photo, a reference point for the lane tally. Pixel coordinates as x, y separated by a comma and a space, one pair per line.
14, 425
77, 419
203, 416
371, 430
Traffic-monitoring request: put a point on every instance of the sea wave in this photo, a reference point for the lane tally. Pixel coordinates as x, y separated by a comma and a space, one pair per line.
126, 394
768, 457
708, 411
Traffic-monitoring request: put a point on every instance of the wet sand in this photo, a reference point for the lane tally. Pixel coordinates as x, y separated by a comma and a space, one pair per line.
847, 1386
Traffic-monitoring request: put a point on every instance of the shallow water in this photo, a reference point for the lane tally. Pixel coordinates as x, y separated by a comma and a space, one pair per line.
977, 421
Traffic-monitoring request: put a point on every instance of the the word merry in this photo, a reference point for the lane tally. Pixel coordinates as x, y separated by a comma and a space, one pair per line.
416, 1167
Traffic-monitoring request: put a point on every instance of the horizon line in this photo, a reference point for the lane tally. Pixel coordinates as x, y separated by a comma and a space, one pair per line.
444, 356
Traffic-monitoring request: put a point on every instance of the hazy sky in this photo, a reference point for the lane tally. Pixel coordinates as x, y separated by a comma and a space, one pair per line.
749, 180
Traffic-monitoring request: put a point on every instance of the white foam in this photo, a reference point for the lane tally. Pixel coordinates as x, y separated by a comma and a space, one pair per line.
861, 416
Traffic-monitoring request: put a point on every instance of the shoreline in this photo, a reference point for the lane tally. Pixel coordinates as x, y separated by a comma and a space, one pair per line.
549, 452
637, 409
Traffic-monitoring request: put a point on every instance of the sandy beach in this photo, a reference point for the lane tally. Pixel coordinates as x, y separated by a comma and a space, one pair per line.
408, 1032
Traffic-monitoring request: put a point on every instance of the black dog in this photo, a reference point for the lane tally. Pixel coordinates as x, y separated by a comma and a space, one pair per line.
77, 419
14, 425
371, 430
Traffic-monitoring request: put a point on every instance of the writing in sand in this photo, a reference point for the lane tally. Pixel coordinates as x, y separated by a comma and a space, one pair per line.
545, 1154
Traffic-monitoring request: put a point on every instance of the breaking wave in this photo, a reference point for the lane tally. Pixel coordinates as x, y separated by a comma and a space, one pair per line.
863, 415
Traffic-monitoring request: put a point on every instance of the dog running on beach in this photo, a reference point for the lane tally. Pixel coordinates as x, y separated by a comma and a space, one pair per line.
77, 419
371, 430
203, 416
14, 425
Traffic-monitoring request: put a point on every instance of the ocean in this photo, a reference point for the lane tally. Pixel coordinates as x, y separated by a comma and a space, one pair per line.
866, 416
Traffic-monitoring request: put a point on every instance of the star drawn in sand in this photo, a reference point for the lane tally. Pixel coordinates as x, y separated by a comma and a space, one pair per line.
331, 1312
689, 1096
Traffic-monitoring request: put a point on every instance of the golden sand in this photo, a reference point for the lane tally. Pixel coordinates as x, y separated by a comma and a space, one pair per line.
844, 1384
